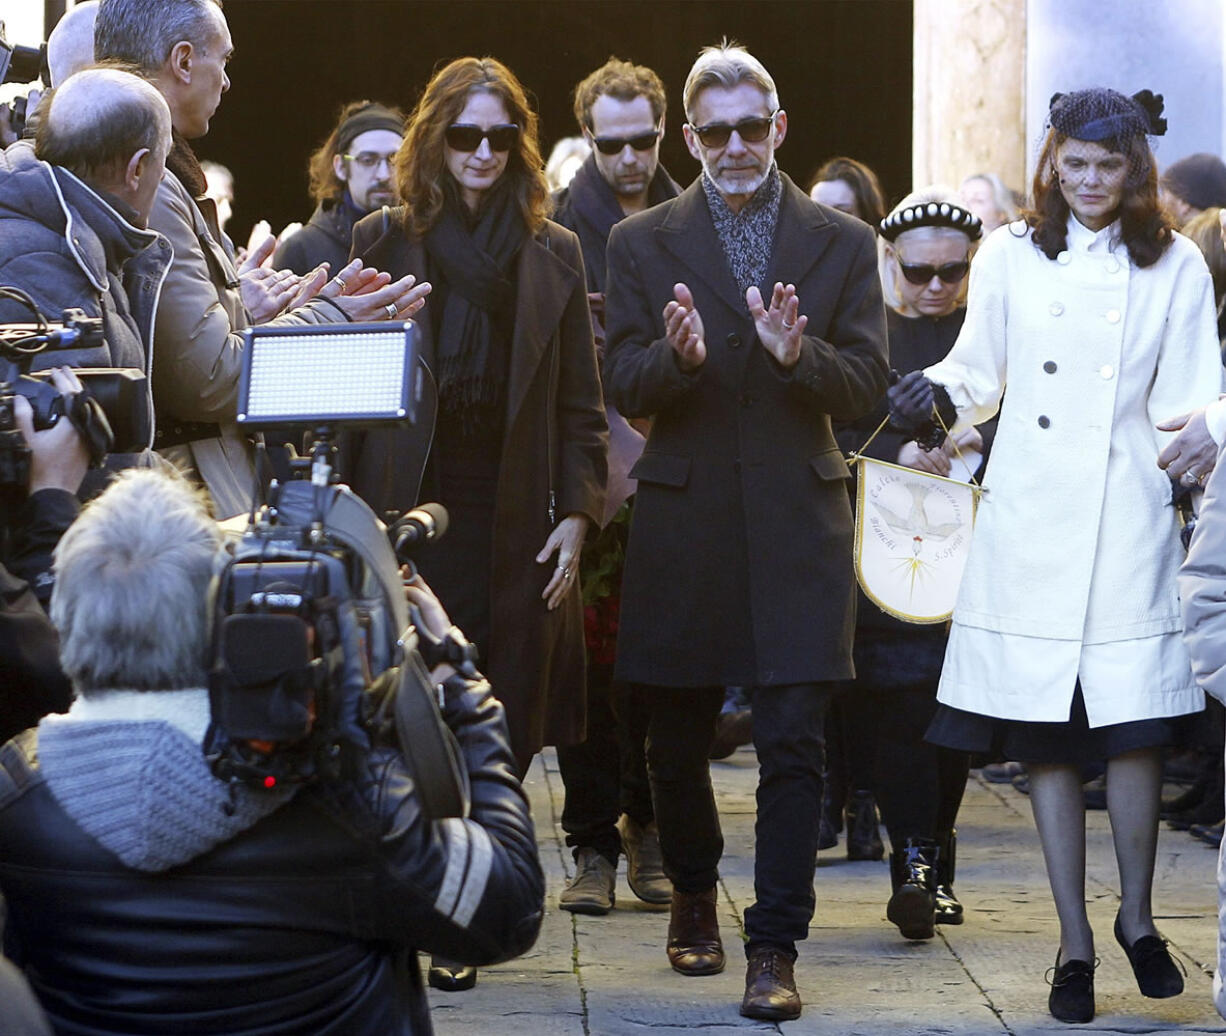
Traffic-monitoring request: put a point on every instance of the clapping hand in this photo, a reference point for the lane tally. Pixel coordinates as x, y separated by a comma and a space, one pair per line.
365, 293
683, 329
779, 327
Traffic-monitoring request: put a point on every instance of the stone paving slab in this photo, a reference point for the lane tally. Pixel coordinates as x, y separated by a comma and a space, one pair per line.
608, 976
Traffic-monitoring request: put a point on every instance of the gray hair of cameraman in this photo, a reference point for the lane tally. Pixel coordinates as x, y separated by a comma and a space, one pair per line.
133, 587
143, 32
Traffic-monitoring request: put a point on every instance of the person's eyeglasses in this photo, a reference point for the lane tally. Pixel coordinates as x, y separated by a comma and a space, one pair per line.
462, 136
614, 145
751, 131
371, 159
949, 273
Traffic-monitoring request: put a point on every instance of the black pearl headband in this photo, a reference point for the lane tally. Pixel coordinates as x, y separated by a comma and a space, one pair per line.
931, 214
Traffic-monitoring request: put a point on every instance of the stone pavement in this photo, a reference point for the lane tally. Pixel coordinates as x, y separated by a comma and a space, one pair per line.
608, 976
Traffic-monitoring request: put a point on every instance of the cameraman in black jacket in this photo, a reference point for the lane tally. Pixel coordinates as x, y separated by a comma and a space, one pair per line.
31, 681
146, 896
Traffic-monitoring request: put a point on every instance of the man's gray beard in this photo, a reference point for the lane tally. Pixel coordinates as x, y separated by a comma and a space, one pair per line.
737, 186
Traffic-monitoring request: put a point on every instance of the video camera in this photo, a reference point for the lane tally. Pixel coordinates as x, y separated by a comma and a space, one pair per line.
20, 65
317, 656
113, 414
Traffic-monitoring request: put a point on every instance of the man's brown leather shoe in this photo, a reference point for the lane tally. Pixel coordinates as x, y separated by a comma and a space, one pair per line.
694, 947
770, 988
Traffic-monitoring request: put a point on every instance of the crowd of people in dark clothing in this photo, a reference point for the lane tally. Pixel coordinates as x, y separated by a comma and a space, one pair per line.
624, 377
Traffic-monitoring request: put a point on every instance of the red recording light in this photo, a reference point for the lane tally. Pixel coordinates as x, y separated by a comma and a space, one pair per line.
270, 782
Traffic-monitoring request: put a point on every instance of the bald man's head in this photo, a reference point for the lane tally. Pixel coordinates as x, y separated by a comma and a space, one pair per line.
111, 129
70, 47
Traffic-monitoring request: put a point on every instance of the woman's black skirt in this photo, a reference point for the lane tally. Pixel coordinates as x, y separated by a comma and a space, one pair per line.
1072, 742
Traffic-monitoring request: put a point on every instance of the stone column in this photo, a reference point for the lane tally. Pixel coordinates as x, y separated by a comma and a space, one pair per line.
969, 91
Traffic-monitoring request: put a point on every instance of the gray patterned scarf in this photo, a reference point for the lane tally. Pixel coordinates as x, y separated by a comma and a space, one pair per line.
748, 236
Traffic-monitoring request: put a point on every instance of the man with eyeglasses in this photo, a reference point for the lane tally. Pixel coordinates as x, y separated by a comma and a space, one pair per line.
742, 317
620, 110
351, 175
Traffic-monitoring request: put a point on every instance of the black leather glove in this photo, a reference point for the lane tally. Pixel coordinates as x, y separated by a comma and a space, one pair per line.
911, 398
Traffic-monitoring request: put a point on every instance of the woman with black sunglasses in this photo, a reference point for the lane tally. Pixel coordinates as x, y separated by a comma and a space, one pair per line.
518, 453
924, 252
1092, 321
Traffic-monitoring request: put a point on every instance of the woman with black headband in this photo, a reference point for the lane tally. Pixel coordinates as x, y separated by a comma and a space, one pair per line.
1094, 321
518, 454
924, 250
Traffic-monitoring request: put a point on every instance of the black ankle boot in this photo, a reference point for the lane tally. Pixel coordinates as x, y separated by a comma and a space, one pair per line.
863, 827
913, 875
948, 909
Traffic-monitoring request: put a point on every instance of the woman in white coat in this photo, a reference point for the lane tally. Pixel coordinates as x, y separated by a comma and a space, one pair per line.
1065, 645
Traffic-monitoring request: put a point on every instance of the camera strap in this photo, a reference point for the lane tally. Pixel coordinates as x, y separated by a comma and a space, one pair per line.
88, 417
427, 745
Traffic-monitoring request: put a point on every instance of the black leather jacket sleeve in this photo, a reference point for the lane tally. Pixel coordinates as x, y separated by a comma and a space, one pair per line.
468, 889
37, 527
31, 681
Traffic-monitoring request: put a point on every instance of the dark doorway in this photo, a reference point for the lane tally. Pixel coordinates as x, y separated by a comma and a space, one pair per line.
843, 69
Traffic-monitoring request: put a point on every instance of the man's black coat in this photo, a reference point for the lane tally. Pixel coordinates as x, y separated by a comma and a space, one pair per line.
739, 568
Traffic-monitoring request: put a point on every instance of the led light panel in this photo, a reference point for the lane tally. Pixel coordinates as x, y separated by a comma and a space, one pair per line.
334, 373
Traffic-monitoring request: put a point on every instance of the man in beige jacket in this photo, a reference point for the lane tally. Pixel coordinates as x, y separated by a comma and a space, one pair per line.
183, 47
1202, 597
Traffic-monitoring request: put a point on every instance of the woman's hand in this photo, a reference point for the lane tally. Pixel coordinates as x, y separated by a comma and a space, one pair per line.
567, 541
911, 400
968, 439
365, 294
935, 462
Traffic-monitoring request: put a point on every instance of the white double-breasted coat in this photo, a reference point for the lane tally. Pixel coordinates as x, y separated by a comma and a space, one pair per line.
1072, 569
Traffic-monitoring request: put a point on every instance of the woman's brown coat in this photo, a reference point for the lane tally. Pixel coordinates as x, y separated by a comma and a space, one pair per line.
555, 447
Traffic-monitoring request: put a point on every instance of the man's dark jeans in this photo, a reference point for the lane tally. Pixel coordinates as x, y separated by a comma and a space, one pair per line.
788, 733
788, 726
605, 775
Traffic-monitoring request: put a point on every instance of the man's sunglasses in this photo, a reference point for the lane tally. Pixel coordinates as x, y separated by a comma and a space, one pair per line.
462, 136
614, 145
949, 273
751, 131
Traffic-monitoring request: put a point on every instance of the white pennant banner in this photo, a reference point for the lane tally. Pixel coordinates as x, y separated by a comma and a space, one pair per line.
913, 534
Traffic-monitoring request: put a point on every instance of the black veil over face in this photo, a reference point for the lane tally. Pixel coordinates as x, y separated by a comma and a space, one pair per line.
1125, 125
1128, 126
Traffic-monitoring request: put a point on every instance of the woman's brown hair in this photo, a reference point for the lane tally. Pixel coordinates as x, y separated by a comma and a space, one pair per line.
1205, 231
420, 162
1144, 228
870, 202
